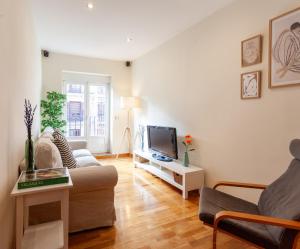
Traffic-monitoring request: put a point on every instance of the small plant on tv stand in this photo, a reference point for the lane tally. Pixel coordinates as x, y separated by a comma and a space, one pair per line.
187, 143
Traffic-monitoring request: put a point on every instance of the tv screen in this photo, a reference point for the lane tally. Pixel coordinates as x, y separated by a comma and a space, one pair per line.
163, 140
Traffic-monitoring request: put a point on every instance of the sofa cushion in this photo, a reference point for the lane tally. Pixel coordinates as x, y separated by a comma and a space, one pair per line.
46, 135
65, 150
77, 144
213, 201
49, 129
81, 153
46, 154
85, 161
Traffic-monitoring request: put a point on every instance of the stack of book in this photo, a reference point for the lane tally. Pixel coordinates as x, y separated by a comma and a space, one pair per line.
43, 177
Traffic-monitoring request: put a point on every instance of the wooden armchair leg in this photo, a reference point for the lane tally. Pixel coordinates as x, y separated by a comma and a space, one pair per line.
215, 238
297, 239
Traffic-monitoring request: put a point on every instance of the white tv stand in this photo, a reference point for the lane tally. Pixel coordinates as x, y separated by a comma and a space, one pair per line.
190, 178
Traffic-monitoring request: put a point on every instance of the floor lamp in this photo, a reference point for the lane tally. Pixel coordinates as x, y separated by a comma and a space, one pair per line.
127, 103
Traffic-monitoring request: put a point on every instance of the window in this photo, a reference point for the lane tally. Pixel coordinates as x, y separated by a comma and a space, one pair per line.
87, 111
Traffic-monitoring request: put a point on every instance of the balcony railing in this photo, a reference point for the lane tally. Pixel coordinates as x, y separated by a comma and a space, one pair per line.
96, 127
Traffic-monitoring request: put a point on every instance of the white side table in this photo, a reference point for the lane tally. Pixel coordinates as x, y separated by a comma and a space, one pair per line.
48, 235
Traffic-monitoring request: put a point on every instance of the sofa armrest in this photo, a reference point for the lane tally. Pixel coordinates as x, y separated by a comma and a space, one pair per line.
77, 144
92, 178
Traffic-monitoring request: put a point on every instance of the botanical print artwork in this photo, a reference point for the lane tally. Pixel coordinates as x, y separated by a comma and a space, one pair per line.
251, 51
250, 85
285, 50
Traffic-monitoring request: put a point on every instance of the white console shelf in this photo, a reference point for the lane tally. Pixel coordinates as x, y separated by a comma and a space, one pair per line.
190, 178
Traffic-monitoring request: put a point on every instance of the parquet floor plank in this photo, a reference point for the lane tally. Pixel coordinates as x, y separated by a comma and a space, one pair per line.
151, 214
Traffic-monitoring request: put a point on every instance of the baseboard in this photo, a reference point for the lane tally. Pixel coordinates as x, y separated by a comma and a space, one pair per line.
112, 156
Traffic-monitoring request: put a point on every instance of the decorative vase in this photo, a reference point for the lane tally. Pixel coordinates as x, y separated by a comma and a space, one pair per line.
29, 155
142, 141
186, 160
142, 133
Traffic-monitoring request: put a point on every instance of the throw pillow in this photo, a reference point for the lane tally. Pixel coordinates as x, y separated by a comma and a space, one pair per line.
47, 154
64, 149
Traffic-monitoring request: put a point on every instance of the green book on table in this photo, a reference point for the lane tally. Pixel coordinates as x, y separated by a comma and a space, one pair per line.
43, 177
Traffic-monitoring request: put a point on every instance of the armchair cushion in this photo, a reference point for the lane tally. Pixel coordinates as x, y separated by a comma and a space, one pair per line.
295, 148
213, 201
281, 200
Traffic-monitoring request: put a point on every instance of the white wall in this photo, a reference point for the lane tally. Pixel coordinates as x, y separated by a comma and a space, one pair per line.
192, 82
20, 67
54, 65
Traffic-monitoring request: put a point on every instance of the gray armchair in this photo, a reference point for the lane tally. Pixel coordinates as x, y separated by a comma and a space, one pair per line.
273, 223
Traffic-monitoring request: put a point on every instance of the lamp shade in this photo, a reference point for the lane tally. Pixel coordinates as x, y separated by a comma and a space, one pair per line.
130, 102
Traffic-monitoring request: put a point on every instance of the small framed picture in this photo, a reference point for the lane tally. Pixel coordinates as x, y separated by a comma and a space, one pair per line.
284, 45
251, 85
252, 51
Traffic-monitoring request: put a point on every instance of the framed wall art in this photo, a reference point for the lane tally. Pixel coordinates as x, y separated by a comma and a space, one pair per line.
284, 54
252, 51
251, 85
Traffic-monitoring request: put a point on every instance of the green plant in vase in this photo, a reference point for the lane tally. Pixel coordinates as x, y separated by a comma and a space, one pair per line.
187, 143
52, 111
29, 146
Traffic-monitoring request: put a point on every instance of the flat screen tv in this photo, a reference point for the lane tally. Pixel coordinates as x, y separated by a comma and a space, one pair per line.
163, 140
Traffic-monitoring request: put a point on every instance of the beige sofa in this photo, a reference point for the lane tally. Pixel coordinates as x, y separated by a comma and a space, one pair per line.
92, 196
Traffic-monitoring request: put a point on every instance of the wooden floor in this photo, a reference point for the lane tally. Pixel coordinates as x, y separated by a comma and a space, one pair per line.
151, 214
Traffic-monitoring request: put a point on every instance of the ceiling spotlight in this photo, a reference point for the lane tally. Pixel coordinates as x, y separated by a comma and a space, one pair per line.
90, 5
129, 39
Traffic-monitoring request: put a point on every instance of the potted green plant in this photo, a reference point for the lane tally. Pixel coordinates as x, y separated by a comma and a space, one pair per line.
52, 111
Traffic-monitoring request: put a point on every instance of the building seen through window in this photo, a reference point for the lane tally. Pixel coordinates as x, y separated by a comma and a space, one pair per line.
77, 102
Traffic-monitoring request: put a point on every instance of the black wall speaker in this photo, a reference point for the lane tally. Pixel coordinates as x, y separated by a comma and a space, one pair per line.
128, 63
45, 53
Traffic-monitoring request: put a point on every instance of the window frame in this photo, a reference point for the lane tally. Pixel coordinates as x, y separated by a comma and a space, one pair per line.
86, 85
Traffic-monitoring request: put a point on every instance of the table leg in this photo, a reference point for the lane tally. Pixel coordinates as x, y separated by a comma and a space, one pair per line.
185, 194
65, 217
26, 216
19, 221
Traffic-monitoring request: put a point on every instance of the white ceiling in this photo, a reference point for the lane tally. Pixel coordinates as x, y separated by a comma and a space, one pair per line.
68, 26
